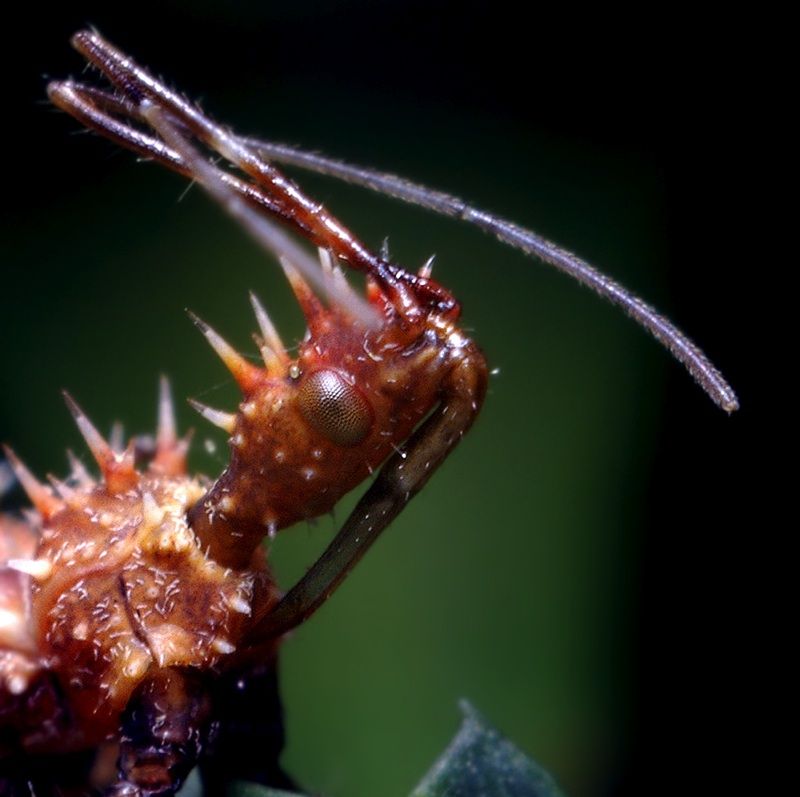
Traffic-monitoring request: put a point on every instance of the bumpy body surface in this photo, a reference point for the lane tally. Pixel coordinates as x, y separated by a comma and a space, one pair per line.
116, 585
138, 609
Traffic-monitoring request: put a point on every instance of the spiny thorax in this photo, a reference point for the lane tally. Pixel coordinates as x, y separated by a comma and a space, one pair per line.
106, 579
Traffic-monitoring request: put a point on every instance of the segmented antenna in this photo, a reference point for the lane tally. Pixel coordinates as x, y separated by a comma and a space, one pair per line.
662, 329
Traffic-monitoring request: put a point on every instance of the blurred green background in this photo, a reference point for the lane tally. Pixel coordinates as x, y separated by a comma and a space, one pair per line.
536, 574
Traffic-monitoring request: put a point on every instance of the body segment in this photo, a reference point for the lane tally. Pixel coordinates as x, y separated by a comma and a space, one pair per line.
135, 609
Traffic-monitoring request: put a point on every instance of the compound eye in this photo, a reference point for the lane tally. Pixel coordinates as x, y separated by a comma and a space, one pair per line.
335, 408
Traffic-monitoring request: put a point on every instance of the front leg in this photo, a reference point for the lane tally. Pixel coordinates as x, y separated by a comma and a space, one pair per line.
163, 729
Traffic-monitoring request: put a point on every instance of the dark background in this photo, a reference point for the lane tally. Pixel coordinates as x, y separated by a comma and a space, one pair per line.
576, 569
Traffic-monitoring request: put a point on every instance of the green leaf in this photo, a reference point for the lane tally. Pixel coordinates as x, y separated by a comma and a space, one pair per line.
242, 789
480, 762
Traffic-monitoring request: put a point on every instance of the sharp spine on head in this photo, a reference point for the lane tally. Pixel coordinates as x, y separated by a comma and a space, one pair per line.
224, 420
116, 439
269, 333
245, 373
426, 269
306, 298
337, 284
118, 469
62, 489
274, 365
171, 452
100, 449
79, 473
326, 263
41, 496
165, 433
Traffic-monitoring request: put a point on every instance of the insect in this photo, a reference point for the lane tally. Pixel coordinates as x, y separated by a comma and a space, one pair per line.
103, 639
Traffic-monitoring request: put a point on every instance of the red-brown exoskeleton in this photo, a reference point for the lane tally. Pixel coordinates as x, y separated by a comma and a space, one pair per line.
133, 608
